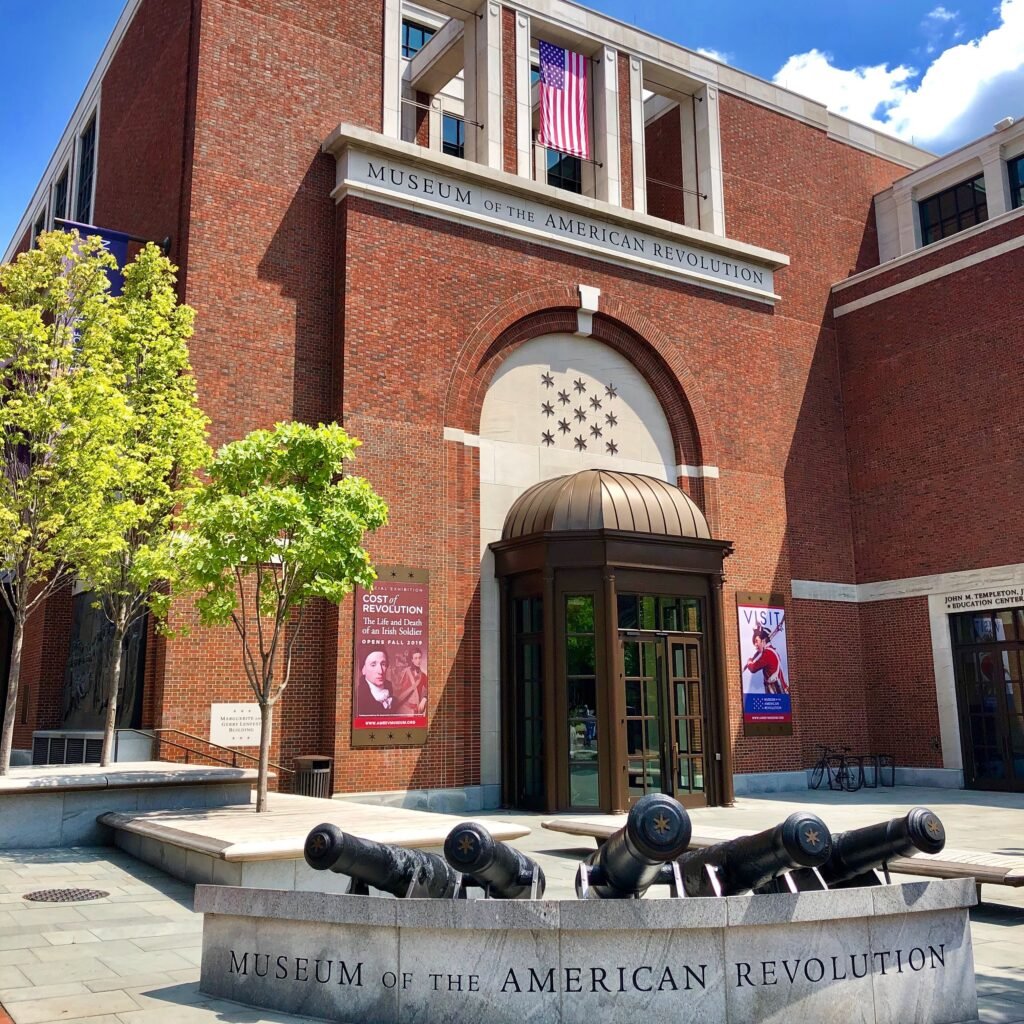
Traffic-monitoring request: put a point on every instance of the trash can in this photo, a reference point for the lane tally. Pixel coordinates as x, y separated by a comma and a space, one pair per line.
313, 776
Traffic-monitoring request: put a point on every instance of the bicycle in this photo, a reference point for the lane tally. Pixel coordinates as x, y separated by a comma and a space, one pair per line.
842, 771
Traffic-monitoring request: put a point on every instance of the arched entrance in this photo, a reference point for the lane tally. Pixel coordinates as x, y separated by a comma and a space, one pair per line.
611, 663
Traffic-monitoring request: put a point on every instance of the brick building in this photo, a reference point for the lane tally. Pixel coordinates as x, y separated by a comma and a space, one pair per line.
737, 382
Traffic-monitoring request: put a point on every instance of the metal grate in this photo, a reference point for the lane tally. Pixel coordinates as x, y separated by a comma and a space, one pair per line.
64, 895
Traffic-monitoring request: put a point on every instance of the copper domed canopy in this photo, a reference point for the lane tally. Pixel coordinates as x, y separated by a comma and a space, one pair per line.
600, 499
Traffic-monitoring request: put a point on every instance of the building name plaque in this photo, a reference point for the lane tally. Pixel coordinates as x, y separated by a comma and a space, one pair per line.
235, 725
1001, 597
488, 206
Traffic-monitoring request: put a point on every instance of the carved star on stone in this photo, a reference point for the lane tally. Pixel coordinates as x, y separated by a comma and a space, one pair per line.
563, 426
373, 735
547, 380
548, 438
611, 391
595, 402
595, 431
408, 735
612, 448
466, 843
563, 397
579, 386
581, 415
548, 409
661, 824
611, 419
581, 444
812, 836
391, 735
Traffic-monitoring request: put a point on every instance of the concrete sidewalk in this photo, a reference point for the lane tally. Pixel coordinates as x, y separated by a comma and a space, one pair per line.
133, 956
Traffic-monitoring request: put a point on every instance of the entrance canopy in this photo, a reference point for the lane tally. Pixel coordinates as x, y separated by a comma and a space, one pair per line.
597, 499
611, 666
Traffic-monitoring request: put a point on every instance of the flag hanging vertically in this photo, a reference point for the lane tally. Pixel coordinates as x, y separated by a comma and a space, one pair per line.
563, 101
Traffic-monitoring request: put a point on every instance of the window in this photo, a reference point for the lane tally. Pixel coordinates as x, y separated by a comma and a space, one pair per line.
948, 212
453, 136
565, 172
39, 226
1015, 168
86, 170
414, 38
581, 700
60, 194
528, 651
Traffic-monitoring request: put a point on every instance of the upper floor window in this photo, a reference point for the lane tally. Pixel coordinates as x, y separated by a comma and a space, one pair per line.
414, 38
86, 170
565, 171
60, 194
40, 225
1016, 171
454, 136
948, 212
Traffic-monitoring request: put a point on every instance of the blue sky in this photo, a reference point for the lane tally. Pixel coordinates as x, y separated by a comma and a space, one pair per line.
935, 74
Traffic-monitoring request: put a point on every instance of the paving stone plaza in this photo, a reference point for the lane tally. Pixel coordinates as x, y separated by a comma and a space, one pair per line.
133, 957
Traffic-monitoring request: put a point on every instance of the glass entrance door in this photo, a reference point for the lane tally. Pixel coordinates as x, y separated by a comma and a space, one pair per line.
665, 717
988, 655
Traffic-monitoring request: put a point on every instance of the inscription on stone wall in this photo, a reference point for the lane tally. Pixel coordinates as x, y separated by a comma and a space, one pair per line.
1002, 597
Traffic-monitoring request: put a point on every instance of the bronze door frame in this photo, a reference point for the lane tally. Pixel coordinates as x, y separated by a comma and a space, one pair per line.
666, 717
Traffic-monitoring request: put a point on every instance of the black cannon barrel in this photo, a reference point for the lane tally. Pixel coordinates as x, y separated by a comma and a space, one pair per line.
392, 869
802, 840
629, 862
860, 850
507, 873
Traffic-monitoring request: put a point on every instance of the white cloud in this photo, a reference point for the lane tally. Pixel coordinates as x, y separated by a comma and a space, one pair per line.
961, 93
941, 14
722, 58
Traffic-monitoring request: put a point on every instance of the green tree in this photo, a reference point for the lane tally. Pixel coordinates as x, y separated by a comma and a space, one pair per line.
61, 417
278, 525
159, 454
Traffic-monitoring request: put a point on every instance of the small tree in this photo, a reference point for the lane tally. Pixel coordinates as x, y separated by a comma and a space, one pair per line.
159, 453
60, 421
277, 525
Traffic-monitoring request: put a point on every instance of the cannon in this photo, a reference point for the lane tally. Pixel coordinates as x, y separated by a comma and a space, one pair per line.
501, 871
401, 872
858, 855
640, 854
750, 862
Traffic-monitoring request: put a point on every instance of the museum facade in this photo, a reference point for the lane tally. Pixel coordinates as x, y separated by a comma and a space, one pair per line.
701, 446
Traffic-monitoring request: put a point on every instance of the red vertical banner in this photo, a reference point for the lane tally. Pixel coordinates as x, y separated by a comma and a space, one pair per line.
391, 673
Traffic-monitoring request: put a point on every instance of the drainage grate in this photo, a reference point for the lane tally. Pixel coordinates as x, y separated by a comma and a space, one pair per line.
64, 895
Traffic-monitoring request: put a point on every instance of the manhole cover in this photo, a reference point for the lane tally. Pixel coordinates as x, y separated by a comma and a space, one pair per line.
65, 895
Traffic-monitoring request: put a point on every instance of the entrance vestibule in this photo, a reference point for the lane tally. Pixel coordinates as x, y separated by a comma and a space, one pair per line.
611, 646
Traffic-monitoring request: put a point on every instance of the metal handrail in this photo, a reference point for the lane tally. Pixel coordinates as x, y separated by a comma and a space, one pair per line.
235, 754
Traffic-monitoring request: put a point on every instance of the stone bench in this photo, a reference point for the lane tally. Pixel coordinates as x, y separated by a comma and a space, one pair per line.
990, 868
58, 805
237, 846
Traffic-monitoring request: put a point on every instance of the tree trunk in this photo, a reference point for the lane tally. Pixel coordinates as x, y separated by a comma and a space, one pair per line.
113, 683
11, 709
266, 716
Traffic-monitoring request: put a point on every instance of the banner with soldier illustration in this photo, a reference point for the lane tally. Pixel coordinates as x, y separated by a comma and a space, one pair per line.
764, 665
390, 691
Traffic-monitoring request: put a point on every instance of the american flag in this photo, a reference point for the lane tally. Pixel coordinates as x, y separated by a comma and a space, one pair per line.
563, 101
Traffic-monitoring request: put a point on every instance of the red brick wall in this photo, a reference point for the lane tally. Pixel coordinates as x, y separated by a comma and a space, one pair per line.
508, 91
899, 681
142, 126
933, 430
625, 133
664, 155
